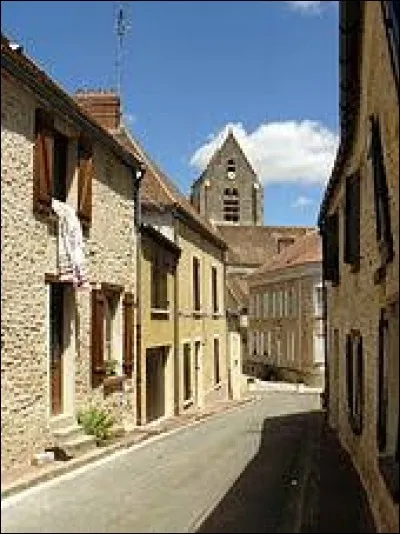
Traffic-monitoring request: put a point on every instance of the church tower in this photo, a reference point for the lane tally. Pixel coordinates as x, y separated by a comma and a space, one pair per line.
228, 191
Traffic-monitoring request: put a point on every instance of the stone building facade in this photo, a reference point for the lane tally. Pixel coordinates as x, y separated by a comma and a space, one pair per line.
231, 196
359, 222
56, 339
286, 316
199, 359
228, 190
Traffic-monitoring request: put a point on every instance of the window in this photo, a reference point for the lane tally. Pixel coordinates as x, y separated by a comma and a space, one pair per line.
159, 282
51, 179
382, 213
280, 303
352, 222
196, 284
265, 345
217, 377
187, 372
266, 304
290, 345
50, 164
284, 242
254, 203
214, 289
231, 205
387, 431
330, 248
112, 332
318, 301
355, 378
85, 177
286, 303
294, 302
278, 348
231, 169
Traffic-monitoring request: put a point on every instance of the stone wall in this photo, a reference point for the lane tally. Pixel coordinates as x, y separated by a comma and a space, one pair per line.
29, 251
356, 301
210, 197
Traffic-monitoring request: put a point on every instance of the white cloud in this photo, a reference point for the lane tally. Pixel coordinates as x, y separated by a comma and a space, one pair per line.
305, 7
287, 151
301, 202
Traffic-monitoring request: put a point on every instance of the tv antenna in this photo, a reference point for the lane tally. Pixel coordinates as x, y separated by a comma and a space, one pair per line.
122, 26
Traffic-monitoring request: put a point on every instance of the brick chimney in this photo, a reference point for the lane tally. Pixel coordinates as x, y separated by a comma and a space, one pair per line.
103, 106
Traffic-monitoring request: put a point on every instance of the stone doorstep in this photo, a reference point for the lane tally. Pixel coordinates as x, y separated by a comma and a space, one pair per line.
19, 479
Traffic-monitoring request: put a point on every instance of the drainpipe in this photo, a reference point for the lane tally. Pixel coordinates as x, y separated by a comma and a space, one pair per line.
137, 218
177, 312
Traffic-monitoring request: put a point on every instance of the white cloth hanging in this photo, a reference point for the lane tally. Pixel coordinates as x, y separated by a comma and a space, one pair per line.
71, 259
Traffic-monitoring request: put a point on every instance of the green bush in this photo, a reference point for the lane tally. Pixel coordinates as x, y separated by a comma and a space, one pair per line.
96, 422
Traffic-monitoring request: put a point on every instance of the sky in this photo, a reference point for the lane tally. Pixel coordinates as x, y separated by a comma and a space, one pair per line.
193, 69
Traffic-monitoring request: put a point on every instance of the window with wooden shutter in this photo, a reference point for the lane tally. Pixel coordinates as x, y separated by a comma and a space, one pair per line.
382, 382
217, 375
355, 380
128, 304
214, 289
382, 213
330, 248
352, 222
97, 346
43, 163
196, 284
85, 177
159, 282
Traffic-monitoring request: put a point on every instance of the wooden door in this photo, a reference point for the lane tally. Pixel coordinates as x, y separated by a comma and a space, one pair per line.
57, 298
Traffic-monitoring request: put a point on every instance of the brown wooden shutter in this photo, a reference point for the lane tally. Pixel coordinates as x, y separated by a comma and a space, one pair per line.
330, 243
349, 373
352, 221
85, 177
359, 408
128, 304
382, 384
381, 196
43, 163
97, 348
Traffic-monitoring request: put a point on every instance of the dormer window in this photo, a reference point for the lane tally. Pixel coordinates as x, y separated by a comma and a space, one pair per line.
231, 169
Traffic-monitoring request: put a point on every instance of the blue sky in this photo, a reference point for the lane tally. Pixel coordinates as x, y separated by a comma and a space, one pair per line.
269, 70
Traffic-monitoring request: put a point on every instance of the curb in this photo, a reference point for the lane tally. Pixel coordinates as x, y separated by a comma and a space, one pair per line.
148, 436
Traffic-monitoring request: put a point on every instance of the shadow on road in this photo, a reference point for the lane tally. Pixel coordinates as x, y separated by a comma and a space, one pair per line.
268, 494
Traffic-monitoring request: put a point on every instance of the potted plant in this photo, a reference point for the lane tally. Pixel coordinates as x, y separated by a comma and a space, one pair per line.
111, 367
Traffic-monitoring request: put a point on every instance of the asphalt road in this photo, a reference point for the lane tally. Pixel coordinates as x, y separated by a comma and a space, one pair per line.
241, 471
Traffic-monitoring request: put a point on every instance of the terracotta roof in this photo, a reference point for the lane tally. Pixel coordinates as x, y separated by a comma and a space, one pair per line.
253, 245
238, 287
307, 249
159, 192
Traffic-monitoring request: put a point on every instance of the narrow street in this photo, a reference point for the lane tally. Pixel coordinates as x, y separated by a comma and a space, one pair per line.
241, 471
